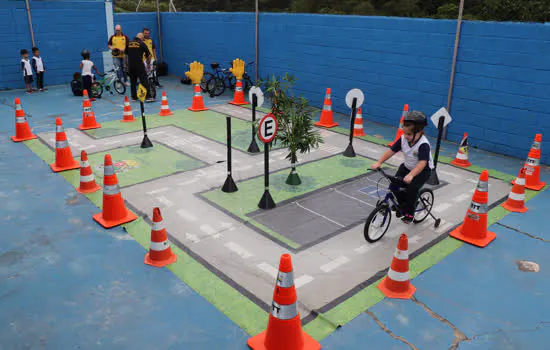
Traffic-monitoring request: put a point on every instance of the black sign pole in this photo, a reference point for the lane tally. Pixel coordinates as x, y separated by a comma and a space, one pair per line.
350, 152
146, 143
229, 186
433, 179
253, 148
266, 202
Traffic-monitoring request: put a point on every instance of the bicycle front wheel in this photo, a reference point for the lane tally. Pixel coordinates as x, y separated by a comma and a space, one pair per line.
152, 88
97, 90
377, 223
216, 86
204, 82
119, 87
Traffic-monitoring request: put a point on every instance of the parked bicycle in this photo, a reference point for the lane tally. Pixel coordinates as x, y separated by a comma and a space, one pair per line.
107, 80
150, 70
223, 78
379, 220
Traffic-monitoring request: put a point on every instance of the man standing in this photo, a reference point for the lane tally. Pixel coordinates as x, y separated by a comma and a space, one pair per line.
118, 44
136, 69
153, 49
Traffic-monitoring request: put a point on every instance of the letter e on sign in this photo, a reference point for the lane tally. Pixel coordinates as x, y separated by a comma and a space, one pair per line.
267, 128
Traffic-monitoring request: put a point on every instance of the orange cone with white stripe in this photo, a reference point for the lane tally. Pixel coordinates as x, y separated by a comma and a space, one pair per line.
160, 254
22, 129
114, 210
63, 155
164, 108
532, 166
85, 96
88, 116
87, 178
238, 96
284, 327
127, 115
400, 132
516, 198
327, 119
461, 158
358, 125
474, 228
397, 284
198, 103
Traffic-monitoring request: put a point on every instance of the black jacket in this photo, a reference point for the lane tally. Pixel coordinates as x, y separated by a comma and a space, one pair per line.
136, 49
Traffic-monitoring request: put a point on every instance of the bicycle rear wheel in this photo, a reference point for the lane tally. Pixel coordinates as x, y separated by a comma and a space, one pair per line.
204, 82
152, 88
215, 86
119, 87
377, 223
97, 90
423, 205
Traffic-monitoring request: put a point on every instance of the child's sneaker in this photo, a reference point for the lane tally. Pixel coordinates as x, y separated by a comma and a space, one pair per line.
407, 218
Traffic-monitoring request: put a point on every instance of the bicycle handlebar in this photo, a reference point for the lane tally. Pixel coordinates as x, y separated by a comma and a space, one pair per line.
394, 179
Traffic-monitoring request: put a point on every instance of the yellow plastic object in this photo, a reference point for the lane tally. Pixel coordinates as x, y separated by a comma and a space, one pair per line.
238, 68
196, 72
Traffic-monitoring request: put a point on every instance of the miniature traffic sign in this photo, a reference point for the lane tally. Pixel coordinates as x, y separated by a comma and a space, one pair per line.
259, 95
442, 112
355, 93
267, 128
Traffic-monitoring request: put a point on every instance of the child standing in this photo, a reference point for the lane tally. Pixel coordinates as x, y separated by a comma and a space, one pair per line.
86, 65
39, 68
27, 70
416, 169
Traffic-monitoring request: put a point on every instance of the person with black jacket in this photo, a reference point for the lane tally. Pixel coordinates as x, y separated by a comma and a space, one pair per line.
136, 69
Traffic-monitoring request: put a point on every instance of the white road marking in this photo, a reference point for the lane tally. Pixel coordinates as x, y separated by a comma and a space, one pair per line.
207, 229
237, 249
214, 154
270, 270
91, 146
246, 167
217, 235
52, 139
192, 238
157, 133
302, 280
198, 146
472, 181
112, 142
75, 144
450, 174
227, 225
188, 182
334, 264
442, 207
357, 199
260, 163
414, 239
186, 215
165, 201
164, 189
462, 197
366, 247
321, 215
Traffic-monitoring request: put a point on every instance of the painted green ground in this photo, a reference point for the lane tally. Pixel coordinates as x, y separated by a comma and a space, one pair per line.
249, 316
134, 164
314, 175
209, 124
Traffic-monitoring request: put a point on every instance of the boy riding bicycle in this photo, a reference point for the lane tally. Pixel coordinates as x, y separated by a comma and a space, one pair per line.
418, 164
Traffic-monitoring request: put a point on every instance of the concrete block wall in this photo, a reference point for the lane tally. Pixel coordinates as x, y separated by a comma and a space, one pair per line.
62, 29
133, 23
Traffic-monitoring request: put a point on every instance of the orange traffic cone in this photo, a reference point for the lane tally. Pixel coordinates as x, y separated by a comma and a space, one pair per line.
114, 210
198, 104
461, 158
327, 119
516, 198
88, 116
160, 254
532, 166
128, 115
400, 130
87, 179
22, 129
474, 228
164, 108
358, 125
284, 327
397, 284
238, 97
63, 155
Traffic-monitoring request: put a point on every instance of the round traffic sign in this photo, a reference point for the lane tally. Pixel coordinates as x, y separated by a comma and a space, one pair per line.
267, 128
355, 93
259, 95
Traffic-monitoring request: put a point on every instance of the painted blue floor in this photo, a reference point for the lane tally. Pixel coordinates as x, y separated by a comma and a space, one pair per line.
535, 220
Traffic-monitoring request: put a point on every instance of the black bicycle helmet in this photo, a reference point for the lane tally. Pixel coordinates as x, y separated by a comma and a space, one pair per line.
416, 117
85, 54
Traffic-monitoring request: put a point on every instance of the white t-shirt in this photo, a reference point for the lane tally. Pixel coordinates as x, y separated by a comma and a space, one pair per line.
39, 64
411, 153
87, 67
28, 68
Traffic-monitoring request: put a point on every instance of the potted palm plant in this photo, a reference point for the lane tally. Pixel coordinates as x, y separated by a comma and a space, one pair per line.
295, 118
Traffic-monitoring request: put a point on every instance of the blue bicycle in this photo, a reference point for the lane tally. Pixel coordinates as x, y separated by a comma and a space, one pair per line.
215, 84
379, 220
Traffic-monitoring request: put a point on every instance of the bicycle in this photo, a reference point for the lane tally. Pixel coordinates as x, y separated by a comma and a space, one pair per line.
151, 79
223, 78
384, 207
109, 78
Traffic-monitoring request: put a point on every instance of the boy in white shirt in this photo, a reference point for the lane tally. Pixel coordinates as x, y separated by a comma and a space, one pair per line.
86, 65
416, 169
39, 68
27, 70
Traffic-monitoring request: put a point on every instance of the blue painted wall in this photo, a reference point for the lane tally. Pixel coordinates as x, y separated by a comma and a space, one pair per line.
62, 29
133, 23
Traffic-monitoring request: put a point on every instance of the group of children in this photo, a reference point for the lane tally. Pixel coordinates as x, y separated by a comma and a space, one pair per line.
36, 66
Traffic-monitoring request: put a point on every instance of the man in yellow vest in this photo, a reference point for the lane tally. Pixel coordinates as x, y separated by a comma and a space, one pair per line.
153, 50
118, 44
